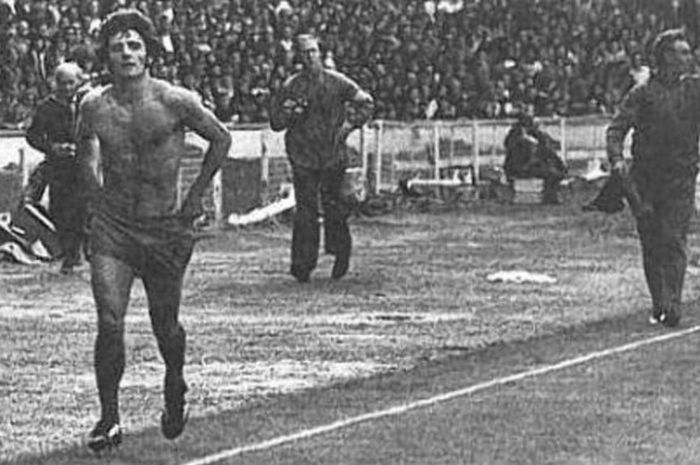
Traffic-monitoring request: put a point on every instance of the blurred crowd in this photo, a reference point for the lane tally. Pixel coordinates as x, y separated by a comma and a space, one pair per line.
420, 59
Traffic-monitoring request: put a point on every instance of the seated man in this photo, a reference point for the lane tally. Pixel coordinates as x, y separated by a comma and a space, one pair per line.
531, 153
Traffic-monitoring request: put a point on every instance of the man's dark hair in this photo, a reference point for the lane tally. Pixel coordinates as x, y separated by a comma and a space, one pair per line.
663, 43
123, 20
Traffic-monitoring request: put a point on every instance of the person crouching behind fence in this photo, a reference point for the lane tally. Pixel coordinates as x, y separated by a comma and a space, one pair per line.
311, 106
665, 115
531, 153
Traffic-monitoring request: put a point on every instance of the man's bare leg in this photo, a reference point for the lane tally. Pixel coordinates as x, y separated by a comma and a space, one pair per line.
164, 292
111, 284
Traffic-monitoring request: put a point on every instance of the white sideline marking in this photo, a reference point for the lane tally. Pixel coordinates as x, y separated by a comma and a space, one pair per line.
304, 434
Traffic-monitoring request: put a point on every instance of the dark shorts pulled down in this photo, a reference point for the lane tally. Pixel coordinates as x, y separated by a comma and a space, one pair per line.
151, 246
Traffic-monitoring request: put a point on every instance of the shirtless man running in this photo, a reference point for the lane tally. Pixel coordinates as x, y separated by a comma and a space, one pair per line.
131, 139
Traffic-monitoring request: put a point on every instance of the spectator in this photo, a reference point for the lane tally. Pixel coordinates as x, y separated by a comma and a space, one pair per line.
550, 45
51, 132
531, 153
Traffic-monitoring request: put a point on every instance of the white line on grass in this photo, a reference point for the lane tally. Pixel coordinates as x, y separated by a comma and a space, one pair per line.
340, 424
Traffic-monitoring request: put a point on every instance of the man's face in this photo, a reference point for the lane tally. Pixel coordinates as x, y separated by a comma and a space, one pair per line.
66, 85
127, 54
680, 58
311, 56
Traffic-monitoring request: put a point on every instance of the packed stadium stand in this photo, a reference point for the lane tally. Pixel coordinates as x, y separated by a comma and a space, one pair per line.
421, 59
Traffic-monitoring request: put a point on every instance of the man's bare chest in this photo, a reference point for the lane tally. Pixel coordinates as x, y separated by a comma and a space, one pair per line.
136, 127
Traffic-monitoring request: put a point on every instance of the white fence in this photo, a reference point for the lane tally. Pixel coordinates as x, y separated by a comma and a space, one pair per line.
393, 150
480, 141
388, 150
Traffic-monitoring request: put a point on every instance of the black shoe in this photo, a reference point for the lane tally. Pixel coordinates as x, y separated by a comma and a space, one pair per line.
657, 316
174, 418
671, 318
105, 435
341, 265
302, 276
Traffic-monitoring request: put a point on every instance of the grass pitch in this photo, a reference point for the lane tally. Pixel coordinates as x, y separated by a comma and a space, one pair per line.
417, 293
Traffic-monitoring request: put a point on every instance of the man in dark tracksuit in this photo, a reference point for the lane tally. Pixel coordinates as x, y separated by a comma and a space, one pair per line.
52, 133
311, 106
531, 153
665, 115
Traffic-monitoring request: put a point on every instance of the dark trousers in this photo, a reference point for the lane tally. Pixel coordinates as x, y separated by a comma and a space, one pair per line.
66, 209
309, 185
65, 204
663, 232
37, 182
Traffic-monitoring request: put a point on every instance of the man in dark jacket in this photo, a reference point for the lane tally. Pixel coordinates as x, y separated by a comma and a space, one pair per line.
52, 133
531, 153
665, 115
311, 106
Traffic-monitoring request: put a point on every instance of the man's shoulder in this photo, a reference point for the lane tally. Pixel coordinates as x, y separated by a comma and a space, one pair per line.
94, 98
162, 86
172, 94
334, 73
337, 75
46, 103
95, 93
301, 77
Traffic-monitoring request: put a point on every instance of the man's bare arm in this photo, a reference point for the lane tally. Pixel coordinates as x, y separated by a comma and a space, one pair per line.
88, 150
202, 121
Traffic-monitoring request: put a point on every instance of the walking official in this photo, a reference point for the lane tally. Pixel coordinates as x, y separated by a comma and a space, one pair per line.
311, 106
665, 116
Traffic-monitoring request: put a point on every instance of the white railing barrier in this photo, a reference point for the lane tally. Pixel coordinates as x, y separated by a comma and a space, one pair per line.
429, 146
389, 150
